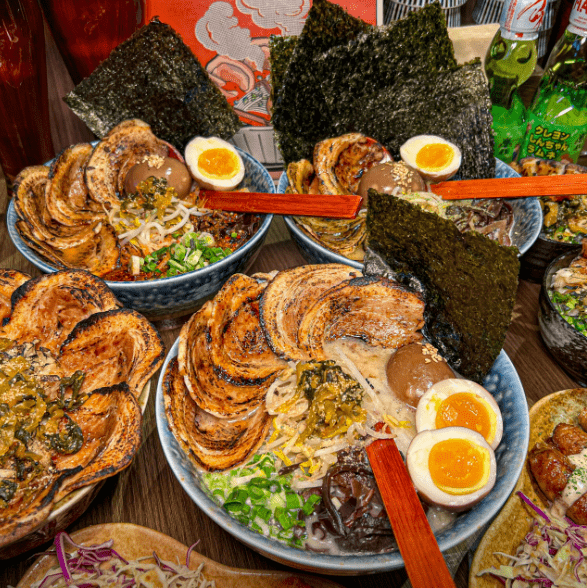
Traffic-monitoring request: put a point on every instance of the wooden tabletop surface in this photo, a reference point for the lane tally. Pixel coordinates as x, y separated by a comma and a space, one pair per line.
147, 493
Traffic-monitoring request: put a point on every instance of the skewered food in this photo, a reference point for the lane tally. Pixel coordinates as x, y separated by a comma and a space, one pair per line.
559, 468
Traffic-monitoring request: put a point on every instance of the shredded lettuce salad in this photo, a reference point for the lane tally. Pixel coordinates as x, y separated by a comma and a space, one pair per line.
553, 554
100, 566
260, 498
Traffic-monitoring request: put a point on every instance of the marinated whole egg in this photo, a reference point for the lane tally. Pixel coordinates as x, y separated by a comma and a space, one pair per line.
214, 163
435, 158
174, 171
413, 369
453, 467
389, 177
457, 402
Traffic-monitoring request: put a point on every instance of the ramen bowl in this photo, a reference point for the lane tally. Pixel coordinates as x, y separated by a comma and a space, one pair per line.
502, 381
176, 296
527, 225
567, 345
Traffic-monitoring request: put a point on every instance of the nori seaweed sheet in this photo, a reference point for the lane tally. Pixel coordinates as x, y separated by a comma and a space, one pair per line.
280, 52
154, 76
390, 83
469, 281
300, 115
415, 46
453, 104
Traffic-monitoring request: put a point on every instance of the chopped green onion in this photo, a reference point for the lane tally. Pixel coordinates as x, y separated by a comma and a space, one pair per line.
309, 505
293, 501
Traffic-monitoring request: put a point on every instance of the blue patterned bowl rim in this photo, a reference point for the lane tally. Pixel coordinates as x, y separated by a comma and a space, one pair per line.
502, 381
530, 205
164, 283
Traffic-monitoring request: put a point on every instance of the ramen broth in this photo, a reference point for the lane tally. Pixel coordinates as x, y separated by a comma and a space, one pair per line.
350, 354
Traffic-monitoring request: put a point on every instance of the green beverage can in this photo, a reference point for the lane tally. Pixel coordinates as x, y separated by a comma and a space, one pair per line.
557, 118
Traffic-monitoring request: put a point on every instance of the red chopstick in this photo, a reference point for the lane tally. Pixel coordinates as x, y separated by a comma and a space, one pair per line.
422, 557
557, 185
325, 205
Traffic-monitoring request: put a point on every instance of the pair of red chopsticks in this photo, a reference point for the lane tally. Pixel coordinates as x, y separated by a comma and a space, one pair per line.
348, 205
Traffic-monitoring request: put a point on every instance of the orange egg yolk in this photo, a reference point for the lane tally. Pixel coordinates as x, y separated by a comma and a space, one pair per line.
464, 409
434, 156
218, 163
458, 466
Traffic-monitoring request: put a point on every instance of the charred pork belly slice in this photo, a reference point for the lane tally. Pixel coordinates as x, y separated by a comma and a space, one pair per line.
371, 308
66, 194
339, 162
98, 254
10, 280
289, 296
47, 308
29, 506
110, 423
219, 396
239, 351
213, 443
30, 205
112, 347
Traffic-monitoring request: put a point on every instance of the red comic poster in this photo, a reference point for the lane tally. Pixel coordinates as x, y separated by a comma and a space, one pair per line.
231, 40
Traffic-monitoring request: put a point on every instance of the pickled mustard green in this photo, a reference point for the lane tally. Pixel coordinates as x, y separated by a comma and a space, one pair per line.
334, 397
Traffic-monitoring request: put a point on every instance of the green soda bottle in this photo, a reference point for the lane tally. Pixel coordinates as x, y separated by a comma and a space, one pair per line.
510, 61
557, 118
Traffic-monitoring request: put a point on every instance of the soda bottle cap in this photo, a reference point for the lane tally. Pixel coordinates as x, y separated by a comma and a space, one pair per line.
521, 19
578, 18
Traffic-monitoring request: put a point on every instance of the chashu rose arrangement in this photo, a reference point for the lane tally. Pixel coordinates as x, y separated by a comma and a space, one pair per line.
72, 366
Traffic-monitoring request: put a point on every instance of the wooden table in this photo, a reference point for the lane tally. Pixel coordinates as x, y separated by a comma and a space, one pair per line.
147, 493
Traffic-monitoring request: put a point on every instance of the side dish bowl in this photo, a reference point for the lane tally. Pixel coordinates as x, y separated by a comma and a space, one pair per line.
178, 295
567, 345
544, 249
527, 225
513, 523
133, 542
502, 381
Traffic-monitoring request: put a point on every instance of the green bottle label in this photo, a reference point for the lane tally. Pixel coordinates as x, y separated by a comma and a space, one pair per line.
508, 129
548, 141
507, 141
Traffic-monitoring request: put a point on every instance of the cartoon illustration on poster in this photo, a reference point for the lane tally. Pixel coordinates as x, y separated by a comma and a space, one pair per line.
241, 66
230, 38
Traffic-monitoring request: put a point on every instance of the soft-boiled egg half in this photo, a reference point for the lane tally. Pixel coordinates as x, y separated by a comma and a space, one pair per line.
460, 403
453, 467
435, 158
214, 163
